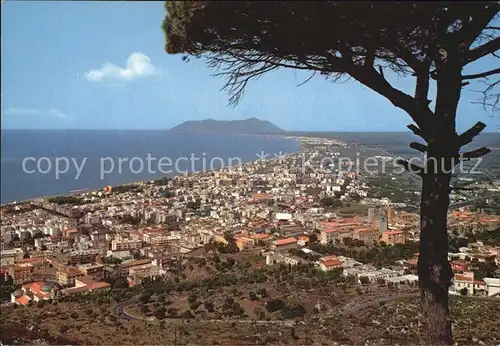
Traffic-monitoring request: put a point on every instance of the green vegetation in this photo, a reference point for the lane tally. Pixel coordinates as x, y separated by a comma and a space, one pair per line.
161, 182
352, 209
127, 188
330, 202
193, 205
489, 237
111, 260
379, 255
484, 269
365, 42
292, 311
7, 286
455, 243
400, 190
130, 219
275, 305
69, 200
95, 325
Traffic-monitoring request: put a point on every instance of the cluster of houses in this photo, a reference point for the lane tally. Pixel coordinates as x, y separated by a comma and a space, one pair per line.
273, 205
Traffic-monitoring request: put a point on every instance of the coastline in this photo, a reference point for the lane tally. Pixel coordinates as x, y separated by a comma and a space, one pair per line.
138, 182
298, 138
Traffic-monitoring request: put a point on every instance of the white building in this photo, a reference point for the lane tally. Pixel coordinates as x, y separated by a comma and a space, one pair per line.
466, 280
283, 216
375, 275
492, 287
403, 279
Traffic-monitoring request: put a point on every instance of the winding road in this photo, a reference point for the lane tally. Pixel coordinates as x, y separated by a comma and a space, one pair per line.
349, 309
119, 311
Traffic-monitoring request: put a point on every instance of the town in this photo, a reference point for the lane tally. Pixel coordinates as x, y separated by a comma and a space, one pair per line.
339, 236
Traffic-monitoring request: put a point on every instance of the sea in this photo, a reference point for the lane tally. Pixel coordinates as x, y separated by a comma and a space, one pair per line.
39, 163
53, 158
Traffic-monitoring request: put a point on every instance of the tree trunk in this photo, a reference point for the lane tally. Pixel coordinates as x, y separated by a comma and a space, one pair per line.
434, 271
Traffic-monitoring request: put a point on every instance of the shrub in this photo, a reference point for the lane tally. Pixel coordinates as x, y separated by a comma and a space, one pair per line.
194, 305
253, 296
160, 313
192, 298
274, 305
187, 314
262, 293
172, 312
209, 305
293, 311
364, 280
144, 298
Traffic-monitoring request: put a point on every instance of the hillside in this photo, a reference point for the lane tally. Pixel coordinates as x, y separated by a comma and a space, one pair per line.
247, 126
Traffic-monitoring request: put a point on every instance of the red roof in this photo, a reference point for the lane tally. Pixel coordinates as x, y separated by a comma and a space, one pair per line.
98, 285
366, 230
31, 260
259, 236
460, 277
337, 230
332, 262
24, 300
340, 223
285, 241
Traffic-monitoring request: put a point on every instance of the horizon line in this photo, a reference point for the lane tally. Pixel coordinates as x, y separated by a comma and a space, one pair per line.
168, 129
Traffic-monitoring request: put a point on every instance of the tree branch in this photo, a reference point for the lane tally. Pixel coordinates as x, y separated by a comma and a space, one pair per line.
468, 136
482, 75
475, 153
490, 98
418, 146
307, 80
489, 47
422, 86
241, 67
472, 30
379, 84
369, 58
417, 131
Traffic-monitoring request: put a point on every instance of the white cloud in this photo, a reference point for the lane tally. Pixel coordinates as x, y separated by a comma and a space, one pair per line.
138, 65
36, 112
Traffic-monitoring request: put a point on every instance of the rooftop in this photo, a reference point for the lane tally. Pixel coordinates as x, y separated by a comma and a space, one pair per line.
285, 241
393, 232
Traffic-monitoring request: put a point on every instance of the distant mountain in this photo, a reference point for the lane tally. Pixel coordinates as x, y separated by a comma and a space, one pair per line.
247, 126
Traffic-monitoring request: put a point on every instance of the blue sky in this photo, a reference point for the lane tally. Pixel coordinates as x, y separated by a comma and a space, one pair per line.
64, 66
